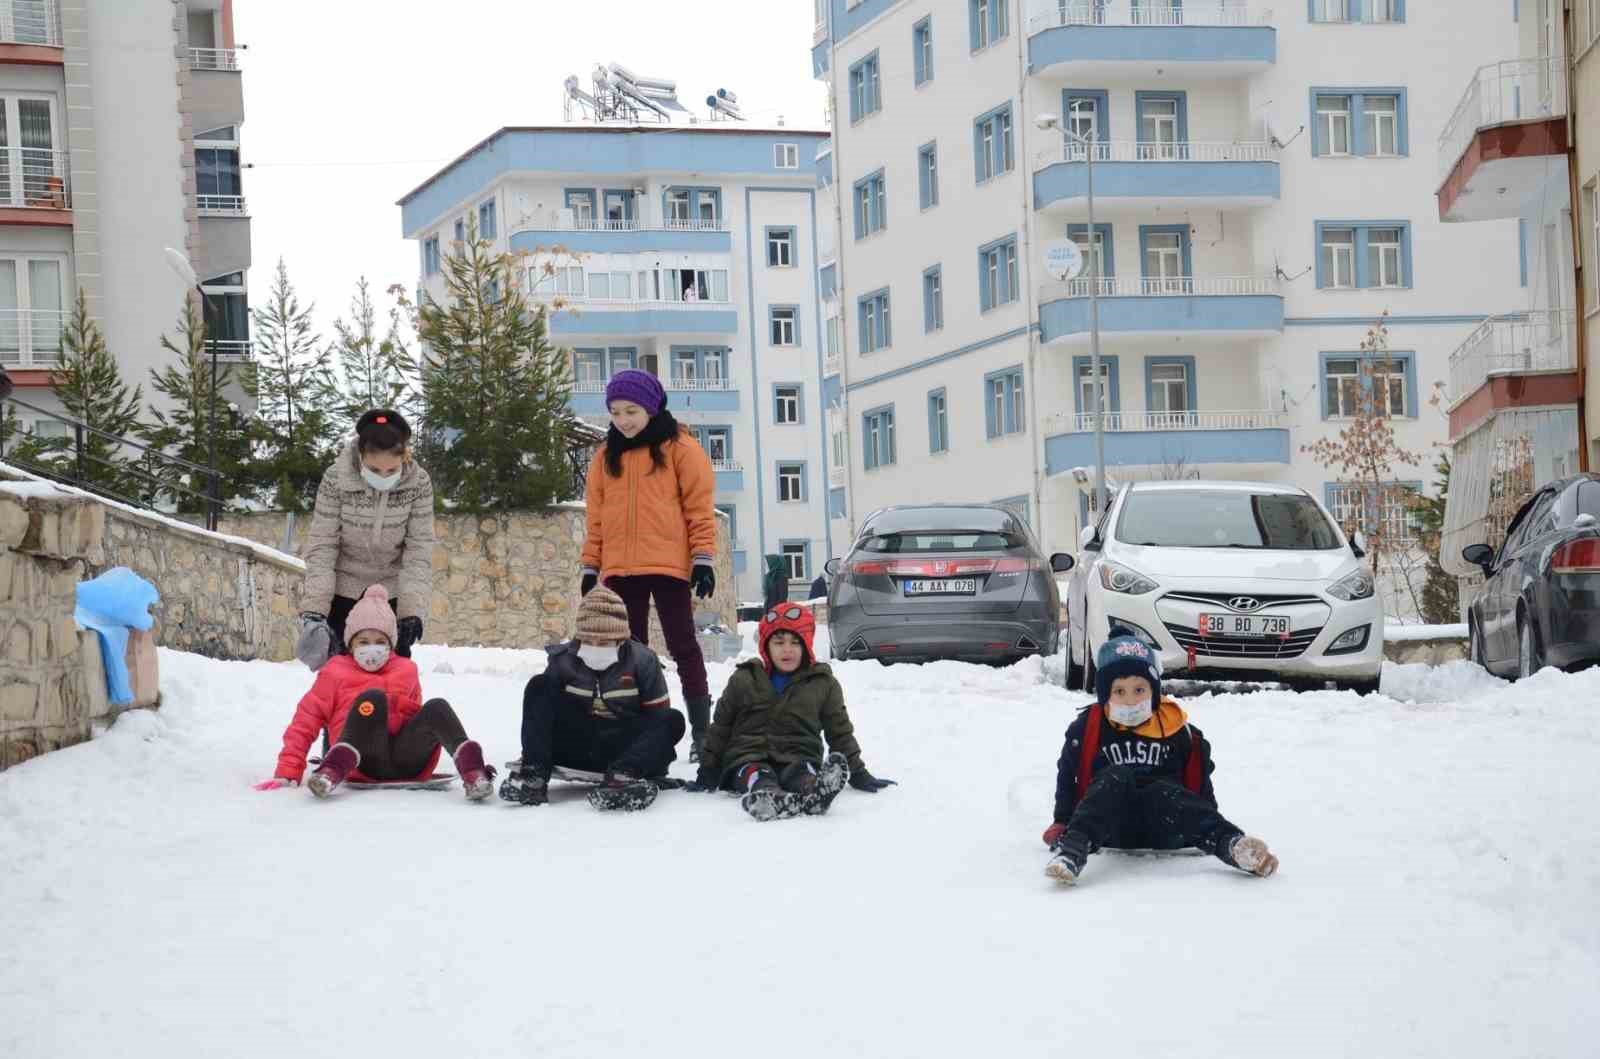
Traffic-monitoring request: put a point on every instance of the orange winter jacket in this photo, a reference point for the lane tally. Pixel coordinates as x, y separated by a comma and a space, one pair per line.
327, 704
652, 520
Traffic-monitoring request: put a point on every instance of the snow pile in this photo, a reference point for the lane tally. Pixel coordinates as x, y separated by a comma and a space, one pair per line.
1438, 895
1397, 632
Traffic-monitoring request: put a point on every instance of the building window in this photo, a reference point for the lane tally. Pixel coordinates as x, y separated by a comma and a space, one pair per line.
989, 21
1169, 387
780, 247
873, 317
461, 229
1358, 10
871, 205
784, 325
1110, 397
793, 554
581, 202
832, 348
718, 443
1003, 409
786, 156
922, 51
1166, 257
613, 286
837, 440
1384, 258
1097, 255
997, 273
938, 422
1386, 511
733, 523
933, 299
791, 482
1348, 379
877, 438
866, 89
227, 309
991, 144
1594, 232
1380, 125
928, 175
488, 225
786, 405
1338, 261
217, 183
1363, 255
1162, 125
1369, 123
430, 256
565, 280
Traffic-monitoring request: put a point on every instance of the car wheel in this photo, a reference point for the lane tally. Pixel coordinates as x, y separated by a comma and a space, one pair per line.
1528, 660
1475, 645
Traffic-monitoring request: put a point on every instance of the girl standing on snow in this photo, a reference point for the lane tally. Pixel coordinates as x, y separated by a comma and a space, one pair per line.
652, 531
373, 524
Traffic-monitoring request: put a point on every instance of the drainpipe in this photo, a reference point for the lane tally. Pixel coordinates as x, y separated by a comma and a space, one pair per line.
1030, 302
1575, 197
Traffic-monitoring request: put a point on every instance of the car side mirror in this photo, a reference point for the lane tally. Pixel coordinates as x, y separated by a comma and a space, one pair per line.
1358, 544
1480, 555
1088, 539
1584, 521
1061, 562
831, 568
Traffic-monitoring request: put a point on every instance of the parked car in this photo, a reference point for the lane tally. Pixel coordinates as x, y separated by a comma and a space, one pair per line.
944, 581
1540, 603
1227, 580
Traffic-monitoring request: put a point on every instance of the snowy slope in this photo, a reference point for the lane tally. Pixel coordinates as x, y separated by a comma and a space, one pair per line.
1438, 897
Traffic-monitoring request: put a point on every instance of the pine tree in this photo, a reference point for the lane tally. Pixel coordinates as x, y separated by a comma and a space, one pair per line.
91, 389
495, 390
1441, 595
292, 379
372, 372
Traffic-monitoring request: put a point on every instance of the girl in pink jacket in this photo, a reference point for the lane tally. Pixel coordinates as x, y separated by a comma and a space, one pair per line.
368, 702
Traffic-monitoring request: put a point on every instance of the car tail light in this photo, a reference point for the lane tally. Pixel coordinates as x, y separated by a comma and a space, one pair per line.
941, 567
1577, 557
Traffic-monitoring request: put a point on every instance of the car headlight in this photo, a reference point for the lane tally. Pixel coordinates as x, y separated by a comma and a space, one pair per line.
1118, 578
1353, 586
1349, 642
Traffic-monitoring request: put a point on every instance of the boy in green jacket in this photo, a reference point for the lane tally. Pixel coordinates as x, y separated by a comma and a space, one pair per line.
765, 741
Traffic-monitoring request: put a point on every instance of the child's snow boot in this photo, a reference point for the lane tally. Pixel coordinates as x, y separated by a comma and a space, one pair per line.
337, 764
764, 798
623, 791
525, 786
476, 777
829, 782
1252, 855
1069, 855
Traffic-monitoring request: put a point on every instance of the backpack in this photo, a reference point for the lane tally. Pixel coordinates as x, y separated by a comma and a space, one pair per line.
1193, 769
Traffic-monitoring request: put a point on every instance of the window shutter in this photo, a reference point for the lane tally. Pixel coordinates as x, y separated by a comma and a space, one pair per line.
972, 18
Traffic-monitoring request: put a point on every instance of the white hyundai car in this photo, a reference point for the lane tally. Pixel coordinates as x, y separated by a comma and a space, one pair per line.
1228, 581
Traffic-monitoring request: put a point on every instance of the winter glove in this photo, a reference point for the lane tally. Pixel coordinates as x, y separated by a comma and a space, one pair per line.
315, 643
587, 584
703, 580
706, 781
862, 780
1053, 832
410, 630
275, 783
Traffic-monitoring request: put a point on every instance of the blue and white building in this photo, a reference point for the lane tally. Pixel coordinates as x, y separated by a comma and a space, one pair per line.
1263, 188
690, 251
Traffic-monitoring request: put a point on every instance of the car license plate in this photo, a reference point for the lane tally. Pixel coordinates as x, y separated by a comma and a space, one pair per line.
1242, 625
958, 586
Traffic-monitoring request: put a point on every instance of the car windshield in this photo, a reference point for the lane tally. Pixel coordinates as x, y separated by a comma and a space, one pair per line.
1199, 518
939, 541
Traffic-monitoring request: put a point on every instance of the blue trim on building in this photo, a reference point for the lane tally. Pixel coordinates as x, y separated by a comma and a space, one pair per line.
861, 65
922, 63
592, 320
941, 358
1151, 44
1185, 244
1358, 125
1406, 359
731, 482
1172, 312
1063, 181
891, 438
1062, 452
1192, 385
626, 241
1113, 384
1013, 419
1363, 271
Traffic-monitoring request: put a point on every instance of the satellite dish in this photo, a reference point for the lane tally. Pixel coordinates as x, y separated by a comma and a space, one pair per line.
1063, 259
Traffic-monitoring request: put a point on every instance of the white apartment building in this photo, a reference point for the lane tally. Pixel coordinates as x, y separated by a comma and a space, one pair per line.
1263, 191
119, 137
690, 251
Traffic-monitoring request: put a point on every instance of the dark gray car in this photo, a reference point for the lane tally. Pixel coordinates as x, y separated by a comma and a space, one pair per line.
944, 581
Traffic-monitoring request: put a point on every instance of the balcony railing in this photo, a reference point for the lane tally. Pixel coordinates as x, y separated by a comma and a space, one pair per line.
1155, 151
580, 301
1169, 286
1122, 422
33, 178
229, 348
726, 465
22, 22
564, 221
675, 382
1543, 340
832, 364
1137, 13
221, 205
31, 337
836, 477
1501, 92
226, 59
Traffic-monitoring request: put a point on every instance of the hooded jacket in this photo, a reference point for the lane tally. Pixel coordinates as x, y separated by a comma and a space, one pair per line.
651, 520
775, 586
361, 537
325, 707
1165, 747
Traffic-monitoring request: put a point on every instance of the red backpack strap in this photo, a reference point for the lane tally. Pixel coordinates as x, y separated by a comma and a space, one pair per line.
1091, 747
1193, 775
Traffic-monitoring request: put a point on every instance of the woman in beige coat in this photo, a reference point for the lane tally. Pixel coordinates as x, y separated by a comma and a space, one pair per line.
373, 525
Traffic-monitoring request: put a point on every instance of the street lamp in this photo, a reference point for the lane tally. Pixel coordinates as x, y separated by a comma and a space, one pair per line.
178, 261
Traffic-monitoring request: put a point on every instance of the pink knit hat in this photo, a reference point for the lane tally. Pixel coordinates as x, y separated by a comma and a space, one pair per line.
372, 611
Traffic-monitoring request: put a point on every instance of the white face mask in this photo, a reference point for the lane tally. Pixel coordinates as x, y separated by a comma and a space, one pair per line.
377, 481
1132, 715
599, 659
371, 657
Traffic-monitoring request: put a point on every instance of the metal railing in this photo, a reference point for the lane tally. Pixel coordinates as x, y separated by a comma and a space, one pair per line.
1118, 422
229, 348
225, 59
1516, 90
726, 465
30, 22
1168, 286
1542, 340
675, 382
1140, 13
832, 364
35, 178
31, 338
1156, 151
582, 301
558, 221
221, 205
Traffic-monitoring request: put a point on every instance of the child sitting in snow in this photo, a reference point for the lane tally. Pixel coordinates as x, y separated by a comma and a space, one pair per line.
369, 701
1134, 774
765, 741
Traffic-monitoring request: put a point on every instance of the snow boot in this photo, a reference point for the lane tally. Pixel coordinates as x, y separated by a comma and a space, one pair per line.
1252, 855
829, 782
476, 778
765, 799
526, 786
1069, 855
697, 742
623, 791
337, 764
699, 718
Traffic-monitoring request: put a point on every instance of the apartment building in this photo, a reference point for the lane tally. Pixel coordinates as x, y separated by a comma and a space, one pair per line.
1263, 191
119, 137
1583, 34
689, 251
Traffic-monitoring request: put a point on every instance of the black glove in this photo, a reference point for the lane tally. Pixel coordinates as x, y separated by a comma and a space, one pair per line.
706, 781
703, 580
410, 630
587, 584
862, 780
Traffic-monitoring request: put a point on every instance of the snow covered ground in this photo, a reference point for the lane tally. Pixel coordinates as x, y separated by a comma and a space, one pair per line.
1439, 896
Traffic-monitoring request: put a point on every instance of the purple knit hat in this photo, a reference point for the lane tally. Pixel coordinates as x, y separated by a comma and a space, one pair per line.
640, 387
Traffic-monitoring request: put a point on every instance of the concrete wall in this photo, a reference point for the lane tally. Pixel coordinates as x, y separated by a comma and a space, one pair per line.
1586, 132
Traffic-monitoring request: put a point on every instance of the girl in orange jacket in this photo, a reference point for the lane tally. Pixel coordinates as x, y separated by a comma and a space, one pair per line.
652, 529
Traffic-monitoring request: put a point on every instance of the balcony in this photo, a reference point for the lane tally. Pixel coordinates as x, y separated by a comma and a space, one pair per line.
1186, 175
1518, 361
1495, 151
31, 338
832, 364
621, 316
683, 395
835, 477
225, 60
25, 27
1217, 306
634, 234
37, 181
1191, 38
229, 349
730, 475
1256, 438
221, 205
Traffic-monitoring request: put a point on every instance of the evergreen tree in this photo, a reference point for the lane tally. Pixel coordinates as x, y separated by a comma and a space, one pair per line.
292, 378
495, 390
1441, 593
372, 372
91, 389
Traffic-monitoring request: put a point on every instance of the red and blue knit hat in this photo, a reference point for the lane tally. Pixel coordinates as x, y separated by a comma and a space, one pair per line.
1125, 655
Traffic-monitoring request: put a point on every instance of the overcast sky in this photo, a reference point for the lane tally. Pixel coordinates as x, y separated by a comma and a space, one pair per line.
349, 105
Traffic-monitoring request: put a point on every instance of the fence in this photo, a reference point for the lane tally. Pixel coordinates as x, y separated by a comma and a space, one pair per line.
1139, 13
1161, 286
1502, 92
1159, 151
1116, 422
1542, 340
35, 178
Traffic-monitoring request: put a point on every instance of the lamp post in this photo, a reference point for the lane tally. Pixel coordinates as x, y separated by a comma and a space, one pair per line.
178, 261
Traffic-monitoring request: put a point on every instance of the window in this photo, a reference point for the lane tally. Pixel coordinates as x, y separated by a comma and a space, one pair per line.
866, 89
871, 205
997, 274
1348, 379
1367, 122
932, 299
784, 325
216, 161
839, 454
1331, 135
1363, 255
1169, 387
677, 206
1166, 257
786, 405
1338, 260
991, 144
793, 554
1358, 10
732, 513
877, 438
780, 247
822, 14
1003, 409
1594, 230
227, 309
566, 280
31, 24
581, 202
689, 284
618, 210
1386, 511
791, 482
989, 21
1017, 505
873, 316
1110, 399
461, 229
430, 255
617, 286
491, 290
718, 443
928, 175
832, 348
786, 156
1097, 256
1383, 257
1331, 10
1087, 117
922, 51
488, 226
938, 422
31, 301
1379, 125
1162, 121
588, 370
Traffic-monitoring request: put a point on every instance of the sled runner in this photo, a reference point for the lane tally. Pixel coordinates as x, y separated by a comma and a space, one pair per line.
438, 781
594, 779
